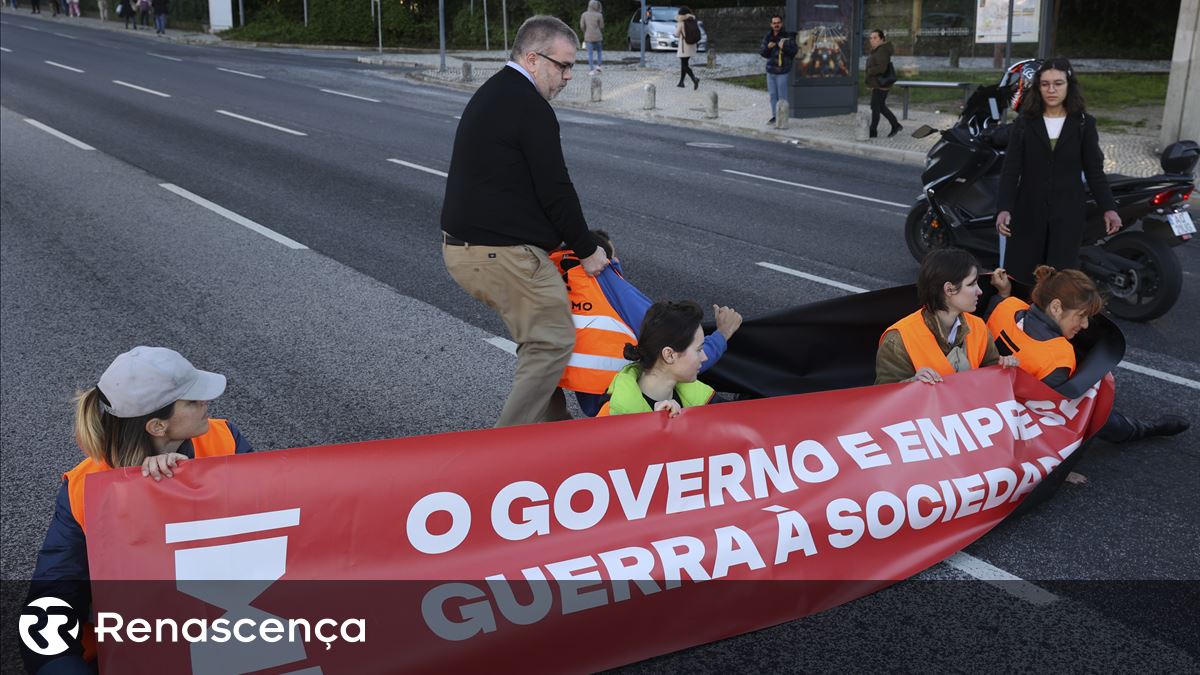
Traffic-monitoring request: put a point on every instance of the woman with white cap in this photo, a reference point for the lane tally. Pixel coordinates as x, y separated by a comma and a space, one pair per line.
150, 409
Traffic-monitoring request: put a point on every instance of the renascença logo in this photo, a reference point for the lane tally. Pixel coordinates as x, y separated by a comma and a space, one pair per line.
48, 626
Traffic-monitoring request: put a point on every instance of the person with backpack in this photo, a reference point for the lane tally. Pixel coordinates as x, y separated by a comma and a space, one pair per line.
779, 48
881, 75
688, 32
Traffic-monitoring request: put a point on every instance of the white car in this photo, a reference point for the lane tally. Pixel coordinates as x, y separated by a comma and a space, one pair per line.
659, 31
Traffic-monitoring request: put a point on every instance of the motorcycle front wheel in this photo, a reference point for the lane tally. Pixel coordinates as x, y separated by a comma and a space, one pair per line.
919, 233
1148, 288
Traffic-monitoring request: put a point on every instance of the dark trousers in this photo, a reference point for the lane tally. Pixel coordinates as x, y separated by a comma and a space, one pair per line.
685, 70
879, 107
1118, 429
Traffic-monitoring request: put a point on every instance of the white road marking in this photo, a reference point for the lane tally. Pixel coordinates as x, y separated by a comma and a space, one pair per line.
148, 91
817, 189
58, 134
64, 35
418, 167
239, 219
1143, 370
1174, 379
36, 30
812, 277
997, 577
59, 65
342, 93
5, 49
161, 56
238, 72
503, 344
262, 123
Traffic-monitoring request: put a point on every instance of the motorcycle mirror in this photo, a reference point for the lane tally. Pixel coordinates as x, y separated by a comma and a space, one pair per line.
924, 131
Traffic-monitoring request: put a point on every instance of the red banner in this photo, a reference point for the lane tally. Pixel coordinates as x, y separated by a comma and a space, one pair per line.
574, 546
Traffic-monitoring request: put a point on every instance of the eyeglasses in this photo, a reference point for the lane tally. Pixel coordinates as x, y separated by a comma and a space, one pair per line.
563, 67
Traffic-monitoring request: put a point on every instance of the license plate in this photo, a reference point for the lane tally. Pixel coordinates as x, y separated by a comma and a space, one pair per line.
1181, 223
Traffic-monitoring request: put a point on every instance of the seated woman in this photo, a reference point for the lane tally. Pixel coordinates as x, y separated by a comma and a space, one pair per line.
943, 337
150, 409
666, 362
1062, 304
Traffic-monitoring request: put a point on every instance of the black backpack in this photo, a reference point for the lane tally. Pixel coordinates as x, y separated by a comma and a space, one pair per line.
691, 31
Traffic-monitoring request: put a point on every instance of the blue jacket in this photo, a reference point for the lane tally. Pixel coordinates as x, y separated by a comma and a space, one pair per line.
61, 571
631, 305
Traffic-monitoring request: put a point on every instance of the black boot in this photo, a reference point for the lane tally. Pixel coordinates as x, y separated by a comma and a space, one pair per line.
1166, 425
872, 133
895, 130
680, 81
695, 82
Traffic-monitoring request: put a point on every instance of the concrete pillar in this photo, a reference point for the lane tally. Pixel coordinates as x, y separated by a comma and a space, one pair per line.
648, 101
783, 112
711, 111
712, 55
467, 75
1181, 114
596, 90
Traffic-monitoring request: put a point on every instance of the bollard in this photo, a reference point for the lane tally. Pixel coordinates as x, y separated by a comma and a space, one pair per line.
712, 57
466, 72
783, 112
648, 101
954, 58
596, 86
711, 111
861, 123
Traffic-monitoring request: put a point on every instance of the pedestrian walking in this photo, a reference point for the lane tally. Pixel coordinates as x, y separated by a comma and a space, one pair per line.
74, 6
102, 7
591, 23
160, 16
881, 75
779, 48
1042, 204
688, 32
509, 201
143, 10
126, 10
36, 5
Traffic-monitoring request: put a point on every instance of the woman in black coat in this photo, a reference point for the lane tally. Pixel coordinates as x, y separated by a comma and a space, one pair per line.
1042, 201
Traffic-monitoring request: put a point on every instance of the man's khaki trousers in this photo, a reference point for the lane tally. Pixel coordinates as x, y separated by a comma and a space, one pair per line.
524, 287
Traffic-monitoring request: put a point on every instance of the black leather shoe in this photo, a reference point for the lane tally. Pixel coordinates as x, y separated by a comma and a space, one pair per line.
1167, 425
895, 130
771, 121
695, 83
871, 133
680, 85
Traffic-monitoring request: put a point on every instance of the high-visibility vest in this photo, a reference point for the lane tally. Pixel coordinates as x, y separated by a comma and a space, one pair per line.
216, 442
625, 395
600, 333
1037, 357
922, 346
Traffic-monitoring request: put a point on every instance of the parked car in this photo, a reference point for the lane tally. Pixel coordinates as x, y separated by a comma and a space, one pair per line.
659, 31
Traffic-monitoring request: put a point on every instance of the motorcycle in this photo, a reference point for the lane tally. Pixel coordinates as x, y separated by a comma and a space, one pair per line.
1134, 268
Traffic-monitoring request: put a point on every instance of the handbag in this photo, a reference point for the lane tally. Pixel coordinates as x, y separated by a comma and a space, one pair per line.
888, 78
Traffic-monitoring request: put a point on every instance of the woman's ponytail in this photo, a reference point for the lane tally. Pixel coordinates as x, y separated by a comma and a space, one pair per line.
89, 424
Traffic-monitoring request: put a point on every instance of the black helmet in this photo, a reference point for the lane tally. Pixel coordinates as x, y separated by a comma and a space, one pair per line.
1019, 79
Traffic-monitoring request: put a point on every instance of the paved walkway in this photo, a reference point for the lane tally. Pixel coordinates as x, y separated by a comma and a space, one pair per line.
741, 110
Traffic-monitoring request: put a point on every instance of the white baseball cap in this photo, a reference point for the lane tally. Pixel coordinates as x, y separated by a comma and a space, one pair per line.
145, 379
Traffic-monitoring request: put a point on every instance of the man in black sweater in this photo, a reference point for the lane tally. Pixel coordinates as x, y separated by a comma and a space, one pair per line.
509, 200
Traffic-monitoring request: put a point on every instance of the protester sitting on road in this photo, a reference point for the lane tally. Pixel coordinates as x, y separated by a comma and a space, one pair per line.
150, 409
607, 311
1063, 301
667, 360
943, 337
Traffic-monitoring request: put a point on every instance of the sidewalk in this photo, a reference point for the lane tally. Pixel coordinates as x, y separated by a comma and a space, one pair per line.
742, 111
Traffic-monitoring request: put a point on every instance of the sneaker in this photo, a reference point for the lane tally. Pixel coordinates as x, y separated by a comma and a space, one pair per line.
599, 69
771, 121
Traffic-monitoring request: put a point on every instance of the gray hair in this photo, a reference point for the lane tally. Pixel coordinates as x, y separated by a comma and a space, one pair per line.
594, 6
539, 33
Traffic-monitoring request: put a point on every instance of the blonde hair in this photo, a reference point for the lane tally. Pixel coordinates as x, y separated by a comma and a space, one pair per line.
111, 440
1074, 289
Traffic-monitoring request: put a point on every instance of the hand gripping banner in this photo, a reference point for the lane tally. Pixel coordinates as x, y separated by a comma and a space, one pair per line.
565, 547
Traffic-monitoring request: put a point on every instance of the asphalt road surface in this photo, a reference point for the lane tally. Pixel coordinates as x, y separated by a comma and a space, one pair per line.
344, 325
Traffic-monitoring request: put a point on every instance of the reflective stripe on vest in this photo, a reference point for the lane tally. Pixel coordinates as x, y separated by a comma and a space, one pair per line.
600, 334
1037, 357
216, 442
923, 349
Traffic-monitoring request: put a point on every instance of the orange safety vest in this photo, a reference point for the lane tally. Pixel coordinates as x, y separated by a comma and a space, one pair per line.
600, 333
922, 346
217, 442
1038, 357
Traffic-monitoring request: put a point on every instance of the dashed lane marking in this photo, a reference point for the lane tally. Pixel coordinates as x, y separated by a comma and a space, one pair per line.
814, 188
163, 56
58, 134
418, 167
59, 65
143, 89
261, 123
990, 574
237, 218
342, 93
812, 277
238, 72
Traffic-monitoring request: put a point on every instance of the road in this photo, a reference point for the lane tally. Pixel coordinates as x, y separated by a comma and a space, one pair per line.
344, 326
